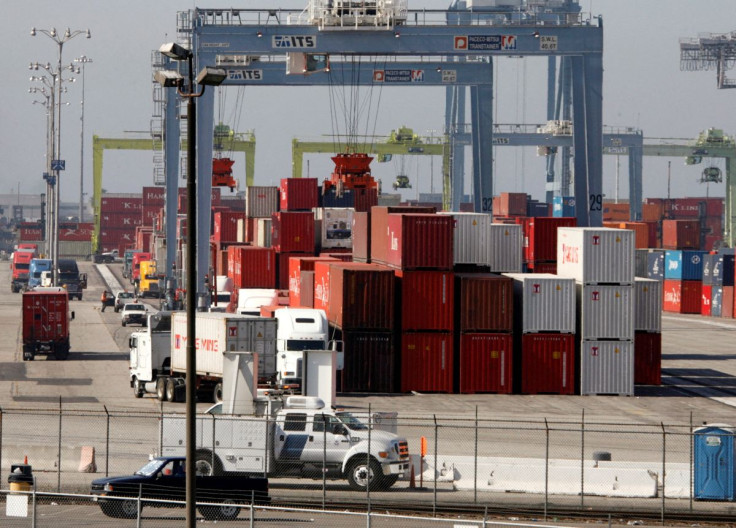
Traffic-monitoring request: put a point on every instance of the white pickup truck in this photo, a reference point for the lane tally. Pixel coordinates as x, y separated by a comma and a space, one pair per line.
301, 439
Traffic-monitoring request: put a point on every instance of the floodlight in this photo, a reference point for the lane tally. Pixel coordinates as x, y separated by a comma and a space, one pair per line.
209, 76
175, 51
168, 78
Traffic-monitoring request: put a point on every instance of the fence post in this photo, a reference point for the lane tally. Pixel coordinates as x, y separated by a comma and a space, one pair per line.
436, 448
324, 461
33, 504
140, 506
107, 443
214, 436
475, 459
582, 461
692, 461
251, 521
1, 442
546, 468
58, 455
664, 460
368, 460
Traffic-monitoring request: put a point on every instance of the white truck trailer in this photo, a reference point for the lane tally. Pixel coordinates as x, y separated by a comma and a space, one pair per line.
299, 438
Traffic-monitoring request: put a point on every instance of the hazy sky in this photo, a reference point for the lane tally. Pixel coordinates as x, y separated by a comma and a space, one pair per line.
643, 87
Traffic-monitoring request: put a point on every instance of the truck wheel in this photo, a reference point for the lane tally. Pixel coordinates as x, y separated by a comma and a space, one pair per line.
228, 511
207, 465
161, 389
138, 389
217, 393
62, 352
170, 390
128, 509
360, 475
387, 481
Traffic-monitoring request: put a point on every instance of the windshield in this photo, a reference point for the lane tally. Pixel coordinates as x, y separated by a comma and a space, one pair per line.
296, 344
161, 322
125, 295
134, 308
151, 468
351, 421
68, 275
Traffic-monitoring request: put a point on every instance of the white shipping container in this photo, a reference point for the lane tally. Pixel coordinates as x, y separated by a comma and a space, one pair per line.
647, 305
261, 202
596, 255
76, 249
543, 302
334, 227
263, 232
219, 332
470, 244
605, 311
505, 248
607, 367
240, 232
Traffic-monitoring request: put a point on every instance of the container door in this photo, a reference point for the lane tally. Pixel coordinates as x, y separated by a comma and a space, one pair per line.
714, 465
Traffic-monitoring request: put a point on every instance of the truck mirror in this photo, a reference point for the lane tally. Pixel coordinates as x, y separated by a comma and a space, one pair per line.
339, 429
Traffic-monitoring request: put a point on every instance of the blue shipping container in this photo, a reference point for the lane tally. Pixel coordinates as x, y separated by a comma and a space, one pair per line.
563, 206
708, 263
716, 301
727, 270
683, 265
655, 265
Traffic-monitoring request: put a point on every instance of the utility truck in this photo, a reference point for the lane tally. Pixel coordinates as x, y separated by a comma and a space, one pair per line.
295, 437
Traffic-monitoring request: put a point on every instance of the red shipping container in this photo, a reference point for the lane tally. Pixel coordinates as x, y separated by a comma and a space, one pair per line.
148, 213
426, 362
296, 265
342, 256
371, 365
485, 363
250, 229
418, 241
30, 233
306, 290
616, 212
153, 196
120, 220
687, 207
641, 233
426, 300
221, 262
680, 234
120, 204
484, 302
540, 236
714, 207
547, 364
298, 194
647, 358
361, 230
251, 267
713, 225
681, 296
293, 232
727, 302
652, 212
282, 270
114, 237
379, 226
354, 295
364, 199
83, 232
511, 204
653, 237
706, 290
226, 226
543, 267
711, 241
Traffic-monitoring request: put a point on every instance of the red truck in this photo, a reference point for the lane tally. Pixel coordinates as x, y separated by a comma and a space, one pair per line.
19, 269
46, 318
135, 268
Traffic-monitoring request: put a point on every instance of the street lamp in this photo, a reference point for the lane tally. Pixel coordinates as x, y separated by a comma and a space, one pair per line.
83, 60
170, 79
60, 40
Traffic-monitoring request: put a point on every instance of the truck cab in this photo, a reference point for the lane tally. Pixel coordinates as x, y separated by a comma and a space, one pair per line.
20, 267
35, 269
128, 261
135, 267
150, 353
148, 283
70, 278
299, 329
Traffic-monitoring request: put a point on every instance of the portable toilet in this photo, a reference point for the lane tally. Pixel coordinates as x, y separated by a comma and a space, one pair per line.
714, 462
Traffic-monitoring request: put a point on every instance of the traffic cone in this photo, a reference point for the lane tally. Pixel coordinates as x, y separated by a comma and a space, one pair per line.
412, 482
25, 459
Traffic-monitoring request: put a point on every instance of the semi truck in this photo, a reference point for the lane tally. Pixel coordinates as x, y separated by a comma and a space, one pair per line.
158, 353
128, 261
300, 438
148, 282
36, 268
135, 266
46, 317
70, 278
19, 266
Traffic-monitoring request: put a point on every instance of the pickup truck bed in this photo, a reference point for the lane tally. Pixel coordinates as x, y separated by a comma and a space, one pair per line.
163, 478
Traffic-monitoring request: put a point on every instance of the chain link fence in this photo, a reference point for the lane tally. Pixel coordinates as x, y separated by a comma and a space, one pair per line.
541, 467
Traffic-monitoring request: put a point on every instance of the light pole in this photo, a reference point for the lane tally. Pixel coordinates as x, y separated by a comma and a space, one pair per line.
83, 60
168, 79
49, 105
60, 40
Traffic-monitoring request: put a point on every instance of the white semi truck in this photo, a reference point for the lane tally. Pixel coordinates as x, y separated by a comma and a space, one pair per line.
296, 438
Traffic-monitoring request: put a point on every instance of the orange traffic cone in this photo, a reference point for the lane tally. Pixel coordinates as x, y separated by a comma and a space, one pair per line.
412, 482
25, 459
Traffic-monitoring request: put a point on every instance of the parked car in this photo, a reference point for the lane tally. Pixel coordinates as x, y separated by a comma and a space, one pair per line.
122, 298
134, 313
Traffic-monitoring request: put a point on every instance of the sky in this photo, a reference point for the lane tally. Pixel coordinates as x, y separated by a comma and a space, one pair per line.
643, 87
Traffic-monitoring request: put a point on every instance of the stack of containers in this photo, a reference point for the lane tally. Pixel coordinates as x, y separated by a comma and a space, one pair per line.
508, 205
120, 214
681, 234
647, 331
544, 329
301, 279
706, 289
601, 260
260, 204
706, 211
655, 264
470, 240
225, 228
333, 228
251, 266
540, 241
154, 198
727, 280
563, 206
484, 341
504, 248
359, 301
683, 281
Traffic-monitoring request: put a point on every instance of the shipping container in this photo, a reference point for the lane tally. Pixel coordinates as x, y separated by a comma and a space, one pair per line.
707, 267
681, 296
540, 237
263, 232
426, 299
120, 203
153, 196
716, 301
504, 248
681, 234
298, 194
605, 311
511, 204
261, 202
535, 208
77, 249
484, 303
616, 212
687, 207
547, 364
371, 363
293, 232
417, 241
282, 269
543, 267
647, 305
334, 227
655, 265
648, 358
361, 232
306, 290
485, 363
379, 227
116, 236
705, 293
543, 303
724, 275
683, 265
120, 220
563, 206
471, 237
426, 362
727, 301
652, 212
251, 267
596, 255
354, 295
641, 257
607, 367
297, 264
221, 262
225, 226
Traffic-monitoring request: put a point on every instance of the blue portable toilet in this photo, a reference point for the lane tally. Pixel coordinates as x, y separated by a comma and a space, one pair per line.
714, 462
